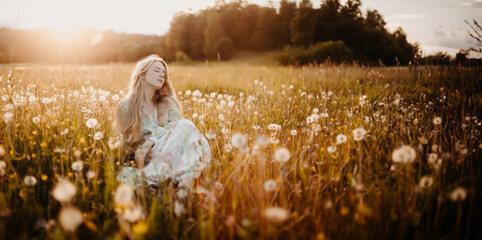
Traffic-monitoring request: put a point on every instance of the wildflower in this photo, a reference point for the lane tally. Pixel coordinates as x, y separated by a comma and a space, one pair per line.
276, 215
341, 138
132, 214
77, 153
7, 117
91, 123
425, 182
293, 132
65, 131
113, 142
270, 185
435, 148
437, 121
228, 147
282, 155
70, 218
458, 194
188, 92
115, 97
315, 110
98, 135
225, 130
404, 154
124, 195
238, 140
179, 209
90, 175
3, 164
359, 134
331, 149
432, 158
274, 127
64, 191
77, 166
30, 181
35, 120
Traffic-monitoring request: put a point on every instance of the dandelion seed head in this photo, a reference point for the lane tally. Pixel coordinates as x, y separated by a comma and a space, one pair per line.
238, 140
270, 185
30, 181
64, 191
282, 155
132, 214
124, 195
359, 134
458, 194
70, 218
98, 135
437, 121
276, 215
404, 155
331, 149
425, 182
91, 123
77, 166
341, 138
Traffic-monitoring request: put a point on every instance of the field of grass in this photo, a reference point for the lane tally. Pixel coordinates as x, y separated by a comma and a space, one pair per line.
327, 152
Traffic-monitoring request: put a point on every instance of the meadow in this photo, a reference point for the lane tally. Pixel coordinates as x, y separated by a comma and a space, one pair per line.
316, 152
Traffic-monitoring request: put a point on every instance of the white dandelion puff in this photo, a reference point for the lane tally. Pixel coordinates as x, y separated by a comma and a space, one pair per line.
98, 135
91, 123
437, 121
124, 195
276, 215
282, 155
77, 166
70, 218
238, 140
64, 191
425, 182
458, 194
270, 185
30, 181
403, 155
359, 134
341, 138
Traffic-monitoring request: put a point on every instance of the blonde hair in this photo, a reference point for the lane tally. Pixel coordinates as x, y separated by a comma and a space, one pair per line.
128, 123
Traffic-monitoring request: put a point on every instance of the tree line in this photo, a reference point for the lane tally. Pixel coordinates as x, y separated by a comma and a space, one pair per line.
300, 32
227, 28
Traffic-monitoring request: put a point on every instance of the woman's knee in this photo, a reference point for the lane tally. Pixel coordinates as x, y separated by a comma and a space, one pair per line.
186, 122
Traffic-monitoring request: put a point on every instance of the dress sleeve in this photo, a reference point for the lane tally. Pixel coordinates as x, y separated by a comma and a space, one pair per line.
157, 134
174, 115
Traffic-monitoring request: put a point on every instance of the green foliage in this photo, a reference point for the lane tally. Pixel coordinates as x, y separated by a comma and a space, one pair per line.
324, 51
182, 57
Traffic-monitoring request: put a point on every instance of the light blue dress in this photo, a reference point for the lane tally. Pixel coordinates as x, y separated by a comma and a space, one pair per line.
179, 150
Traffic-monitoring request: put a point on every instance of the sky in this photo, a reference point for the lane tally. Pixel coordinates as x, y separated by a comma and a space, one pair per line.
437, 25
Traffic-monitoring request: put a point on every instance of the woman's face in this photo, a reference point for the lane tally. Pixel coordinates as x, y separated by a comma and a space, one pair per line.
155, 75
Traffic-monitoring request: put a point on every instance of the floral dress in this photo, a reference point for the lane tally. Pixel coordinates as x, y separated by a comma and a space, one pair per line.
179, 150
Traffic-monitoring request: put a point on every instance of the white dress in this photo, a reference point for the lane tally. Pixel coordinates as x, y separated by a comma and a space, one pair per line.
179, 150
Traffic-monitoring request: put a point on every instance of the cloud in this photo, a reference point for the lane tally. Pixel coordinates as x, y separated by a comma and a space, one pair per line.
439, 32
406, 16
477, 4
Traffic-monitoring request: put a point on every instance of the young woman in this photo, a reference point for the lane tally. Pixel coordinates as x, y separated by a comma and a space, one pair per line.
150, 121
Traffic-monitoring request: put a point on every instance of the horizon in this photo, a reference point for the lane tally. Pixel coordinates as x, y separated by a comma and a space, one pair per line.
426, 23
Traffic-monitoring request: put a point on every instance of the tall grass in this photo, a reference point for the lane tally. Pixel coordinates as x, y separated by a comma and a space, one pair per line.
329, 188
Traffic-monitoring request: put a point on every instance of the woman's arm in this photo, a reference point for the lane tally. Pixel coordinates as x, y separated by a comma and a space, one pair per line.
142, 152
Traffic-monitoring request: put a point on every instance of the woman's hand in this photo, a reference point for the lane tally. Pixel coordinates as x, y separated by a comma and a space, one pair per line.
142, 152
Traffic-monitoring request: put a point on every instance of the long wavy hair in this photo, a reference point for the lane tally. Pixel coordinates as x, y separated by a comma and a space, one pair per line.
165, 99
